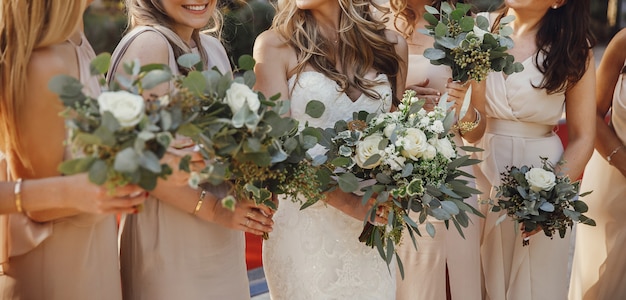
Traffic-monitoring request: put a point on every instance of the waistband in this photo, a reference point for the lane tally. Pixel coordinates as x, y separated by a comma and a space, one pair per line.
518, 129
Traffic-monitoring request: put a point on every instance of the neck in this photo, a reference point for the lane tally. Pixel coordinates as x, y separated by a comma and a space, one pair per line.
525, 23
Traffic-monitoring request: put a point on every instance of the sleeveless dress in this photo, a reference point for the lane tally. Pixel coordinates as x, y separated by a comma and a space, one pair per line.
167, 253
315, 253
72, 258
599, 263
520, 123
448, 248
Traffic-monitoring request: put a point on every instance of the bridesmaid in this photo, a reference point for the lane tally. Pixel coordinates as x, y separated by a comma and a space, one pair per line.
57, 253
553, 41
599, 264
184, 245
452, 262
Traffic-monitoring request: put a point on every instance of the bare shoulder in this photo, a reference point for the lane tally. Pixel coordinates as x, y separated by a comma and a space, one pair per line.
270, 47
48, 62
148, 47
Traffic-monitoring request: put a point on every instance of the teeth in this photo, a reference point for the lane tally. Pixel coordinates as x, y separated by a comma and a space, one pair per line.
195, 7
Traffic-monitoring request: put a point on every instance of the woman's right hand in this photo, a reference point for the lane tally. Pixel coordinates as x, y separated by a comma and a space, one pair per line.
85, 196
247, 216
353, 206
429, 94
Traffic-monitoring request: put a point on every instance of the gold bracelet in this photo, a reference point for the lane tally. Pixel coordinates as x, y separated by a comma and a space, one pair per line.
17, 192
609, 158
200, 201
465, 127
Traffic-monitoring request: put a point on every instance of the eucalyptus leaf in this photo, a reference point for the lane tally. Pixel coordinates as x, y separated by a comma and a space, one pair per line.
126, 160
100, 64
348, 182
154, 78
188, 60
315, 108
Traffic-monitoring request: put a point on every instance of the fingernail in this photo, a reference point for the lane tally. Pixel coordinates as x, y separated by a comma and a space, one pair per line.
146, 194
135, 211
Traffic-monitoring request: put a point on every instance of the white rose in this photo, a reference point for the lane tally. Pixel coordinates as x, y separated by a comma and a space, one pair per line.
388, 131
430, 152
239, 95
367, 148
127, 108
443, 146
540, 179
414, 143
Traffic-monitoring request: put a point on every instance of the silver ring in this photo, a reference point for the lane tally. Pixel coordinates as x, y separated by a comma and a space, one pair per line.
247, 222
249, 215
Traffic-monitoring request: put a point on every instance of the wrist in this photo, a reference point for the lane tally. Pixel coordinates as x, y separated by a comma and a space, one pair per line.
467, 126
610, 157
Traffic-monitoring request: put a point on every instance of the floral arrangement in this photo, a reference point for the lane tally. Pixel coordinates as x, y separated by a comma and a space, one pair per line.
538, 198
248, 140
407, 161
467, 45
119, 137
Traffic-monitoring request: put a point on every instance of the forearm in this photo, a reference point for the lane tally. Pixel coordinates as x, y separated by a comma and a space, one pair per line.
345, 202
45, 199
576, 157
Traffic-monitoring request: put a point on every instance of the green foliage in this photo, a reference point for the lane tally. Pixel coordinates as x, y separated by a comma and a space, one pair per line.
466, 44
259, 150
119, 137
552, 205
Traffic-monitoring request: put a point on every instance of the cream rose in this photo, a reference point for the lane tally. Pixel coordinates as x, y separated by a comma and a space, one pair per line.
443, 146
239, 95
414, 143
127, 108
540, 179
367, 148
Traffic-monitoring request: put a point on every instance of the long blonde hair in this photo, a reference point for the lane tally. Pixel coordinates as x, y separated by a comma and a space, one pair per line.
152, 13
362, 44
26, 26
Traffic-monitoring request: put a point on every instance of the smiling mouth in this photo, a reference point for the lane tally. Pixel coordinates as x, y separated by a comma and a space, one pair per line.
195, 7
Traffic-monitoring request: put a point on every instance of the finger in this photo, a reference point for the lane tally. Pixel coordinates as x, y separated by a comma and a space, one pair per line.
424, 92
257, 217
253, 227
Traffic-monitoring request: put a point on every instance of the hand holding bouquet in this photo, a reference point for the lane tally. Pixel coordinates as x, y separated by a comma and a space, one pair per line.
538, 198
407, 161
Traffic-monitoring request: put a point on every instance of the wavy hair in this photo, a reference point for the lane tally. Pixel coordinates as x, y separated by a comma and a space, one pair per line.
565, 38
26, 26
362, 44
409, 15
152, 13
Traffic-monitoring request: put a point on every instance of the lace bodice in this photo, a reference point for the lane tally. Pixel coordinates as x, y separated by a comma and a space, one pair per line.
315, 253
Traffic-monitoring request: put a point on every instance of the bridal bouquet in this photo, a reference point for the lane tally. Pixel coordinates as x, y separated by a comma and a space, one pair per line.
467, 45
407, 161
119, 137
248, 141
538, 198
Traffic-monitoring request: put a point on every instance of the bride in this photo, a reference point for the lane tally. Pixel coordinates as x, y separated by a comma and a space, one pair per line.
337, 53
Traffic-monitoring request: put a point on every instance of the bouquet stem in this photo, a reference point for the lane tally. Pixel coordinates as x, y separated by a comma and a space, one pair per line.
368, 234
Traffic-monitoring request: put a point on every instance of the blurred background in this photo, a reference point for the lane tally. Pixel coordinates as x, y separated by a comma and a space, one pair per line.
105, 22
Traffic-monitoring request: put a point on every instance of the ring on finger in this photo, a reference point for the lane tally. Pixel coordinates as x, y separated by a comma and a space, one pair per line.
247, 222
249, 215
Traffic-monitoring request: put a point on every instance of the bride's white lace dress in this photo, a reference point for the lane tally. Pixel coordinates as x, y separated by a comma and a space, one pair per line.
315, 254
